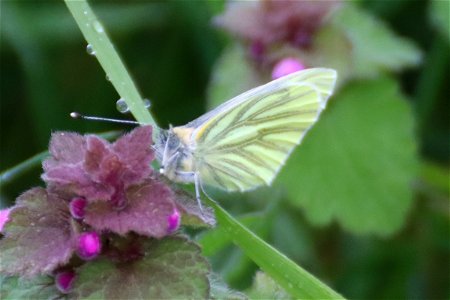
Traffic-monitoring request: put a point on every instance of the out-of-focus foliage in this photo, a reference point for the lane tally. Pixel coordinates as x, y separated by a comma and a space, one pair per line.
172, 50
359, 162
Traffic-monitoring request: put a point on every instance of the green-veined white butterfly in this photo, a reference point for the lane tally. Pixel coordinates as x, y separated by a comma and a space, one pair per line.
242, 144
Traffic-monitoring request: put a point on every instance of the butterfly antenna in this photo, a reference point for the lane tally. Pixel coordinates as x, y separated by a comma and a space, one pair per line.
76, 115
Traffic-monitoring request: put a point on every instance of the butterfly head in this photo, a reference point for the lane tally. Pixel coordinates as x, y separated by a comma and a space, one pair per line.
173, 154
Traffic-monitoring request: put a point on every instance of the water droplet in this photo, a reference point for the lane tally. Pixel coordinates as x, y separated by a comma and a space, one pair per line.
107, 77
98, 27
122, 106
147, 103
90, 50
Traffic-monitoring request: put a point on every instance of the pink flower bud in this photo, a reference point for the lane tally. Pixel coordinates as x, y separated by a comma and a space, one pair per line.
4, 217
89, 245
287, 66
173, 221
64, 281
78, 207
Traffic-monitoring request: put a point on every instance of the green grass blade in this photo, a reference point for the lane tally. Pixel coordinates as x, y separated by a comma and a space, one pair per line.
109, 59
294, 279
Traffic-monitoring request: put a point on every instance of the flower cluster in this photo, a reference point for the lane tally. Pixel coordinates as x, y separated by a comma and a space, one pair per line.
97, 192
276, 31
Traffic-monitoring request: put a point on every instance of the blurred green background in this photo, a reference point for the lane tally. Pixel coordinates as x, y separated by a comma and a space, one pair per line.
391, 243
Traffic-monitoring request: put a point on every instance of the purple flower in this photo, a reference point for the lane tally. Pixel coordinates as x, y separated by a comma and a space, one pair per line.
4, 217
113, 179
286, 66
92, 168
77, 207
276, 21
89, 245
64, 281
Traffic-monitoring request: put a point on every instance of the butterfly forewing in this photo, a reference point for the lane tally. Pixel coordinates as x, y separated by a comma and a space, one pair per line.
243, 143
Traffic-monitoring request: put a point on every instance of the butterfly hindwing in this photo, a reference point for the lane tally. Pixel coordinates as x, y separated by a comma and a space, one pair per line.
243, 143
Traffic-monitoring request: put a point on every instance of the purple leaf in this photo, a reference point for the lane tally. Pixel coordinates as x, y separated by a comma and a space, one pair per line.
136, 154
92, 168
38, 238
146, 211
67, 147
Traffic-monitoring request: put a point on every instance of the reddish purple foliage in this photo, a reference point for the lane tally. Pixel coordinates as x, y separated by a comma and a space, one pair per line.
39, 237
276, 21
114, 179
92, 168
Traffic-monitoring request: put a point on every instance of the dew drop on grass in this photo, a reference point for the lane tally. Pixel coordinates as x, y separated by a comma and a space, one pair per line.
98, 27
107, 77
122, 106
147, 103
90, 50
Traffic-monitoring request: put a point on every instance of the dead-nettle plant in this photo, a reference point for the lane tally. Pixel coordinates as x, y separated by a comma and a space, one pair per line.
105, 209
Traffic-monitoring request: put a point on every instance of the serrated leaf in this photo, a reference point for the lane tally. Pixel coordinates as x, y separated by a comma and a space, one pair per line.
171, 268
375, 48
231, 76
38, 237
265, 287
220, 290
147, 211
39, 287
358, 162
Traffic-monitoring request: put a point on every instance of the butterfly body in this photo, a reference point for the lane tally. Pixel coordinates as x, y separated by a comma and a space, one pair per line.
242, 144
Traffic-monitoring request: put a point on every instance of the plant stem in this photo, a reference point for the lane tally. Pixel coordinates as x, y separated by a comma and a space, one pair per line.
100, 45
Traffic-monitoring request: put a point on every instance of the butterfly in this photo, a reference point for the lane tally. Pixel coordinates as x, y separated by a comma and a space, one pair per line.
243, 143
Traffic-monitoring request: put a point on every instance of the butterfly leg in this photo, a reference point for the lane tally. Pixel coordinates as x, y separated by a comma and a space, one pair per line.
197, 191
191, 177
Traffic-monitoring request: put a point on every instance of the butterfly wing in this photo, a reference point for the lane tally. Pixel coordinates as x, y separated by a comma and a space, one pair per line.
243, 143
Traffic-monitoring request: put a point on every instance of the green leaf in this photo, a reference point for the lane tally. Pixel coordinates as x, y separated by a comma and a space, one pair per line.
265, 288
231, 76
375, 47
171, 268
39, 287
358, 162
439, 13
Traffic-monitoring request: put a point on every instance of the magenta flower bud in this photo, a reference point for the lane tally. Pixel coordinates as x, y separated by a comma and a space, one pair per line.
64, 281
287, 66
173, 221
89, 245
4, 217
78, 207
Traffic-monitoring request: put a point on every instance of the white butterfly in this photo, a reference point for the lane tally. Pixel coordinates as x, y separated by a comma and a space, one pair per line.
243, 143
